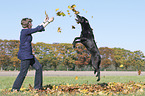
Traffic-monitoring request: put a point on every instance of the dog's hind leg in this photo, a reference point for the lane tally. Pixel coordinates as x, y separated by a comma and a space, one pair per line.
96, 60
98, 71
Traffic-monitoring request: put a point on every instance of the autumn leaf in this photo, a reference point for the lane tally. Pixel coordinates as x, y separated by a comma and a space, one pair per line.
73, 6
57, 9
86, 11
63, 14
46, 14
30, 87
69, 7
68, 13
22, 89
73, 27
139, 72
73, 9
104, 89
59, 30
60, 13
76, 77
121, 65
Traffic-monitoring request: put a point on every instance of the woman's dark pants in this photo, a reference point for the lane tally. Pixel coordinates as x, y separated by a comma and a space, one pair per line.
23, 71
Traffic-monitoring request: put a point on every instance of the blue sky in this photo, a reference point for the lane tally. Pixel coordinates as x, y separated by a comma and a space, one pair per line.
116, 23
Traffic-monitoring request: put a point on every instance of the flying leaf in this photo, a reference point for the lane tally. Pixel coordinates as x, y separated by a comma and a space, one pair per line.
73, 6
69, 8
139, 72
68, 13
92, 16
63, 14
121, 65
59, 30
58, 13
76, 77
46, 14
73, 27
57, 9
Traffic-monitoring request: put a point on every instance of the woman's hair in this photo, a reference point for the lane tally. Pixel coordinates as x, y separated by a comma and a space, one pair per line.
25, 22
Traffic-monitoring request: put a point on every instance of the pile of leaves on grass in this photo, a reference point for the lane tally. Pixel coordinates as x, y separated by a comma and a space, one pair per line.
111, 88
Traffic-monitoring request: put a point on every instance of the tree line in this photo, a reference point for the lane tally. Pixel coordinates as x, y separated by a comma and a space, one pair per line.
62, 56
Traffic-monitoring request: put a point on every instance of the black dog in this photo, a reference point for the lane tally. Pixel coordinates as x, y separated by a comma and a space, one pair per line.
87, 39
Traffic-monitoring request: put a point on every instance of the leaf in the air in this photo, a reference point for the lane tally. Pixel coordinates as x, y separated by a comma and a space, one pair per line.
68, 13
73, 9
46, 14
63, 14
58, 13
121, 65
139, 72
57, 9
59, 29
73, 6
73, 27
76, 77
69, 7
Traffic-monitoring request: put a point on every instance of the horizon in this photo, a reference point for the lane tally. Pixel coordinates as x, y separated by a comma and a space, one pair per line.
72, 45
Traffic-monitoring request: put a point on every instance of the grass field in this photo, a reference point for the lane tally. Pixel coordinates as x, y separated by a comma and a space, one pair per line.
6, 82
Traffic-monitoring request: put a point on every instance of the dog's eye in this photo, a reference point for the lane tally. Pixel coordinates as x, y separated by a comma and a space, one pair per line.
82, 20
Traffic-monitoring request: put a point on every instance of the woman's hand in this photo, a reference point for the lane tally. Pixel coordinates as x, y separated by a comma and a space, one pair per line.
51, 19
47, 21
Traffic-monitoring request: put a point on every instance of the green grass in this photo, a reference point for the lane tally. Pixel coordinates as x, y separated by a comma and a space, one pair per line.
7, 82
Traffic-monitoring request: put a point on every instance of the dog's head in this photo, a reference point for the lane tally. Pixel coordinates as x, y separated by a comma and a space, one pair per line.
81, 19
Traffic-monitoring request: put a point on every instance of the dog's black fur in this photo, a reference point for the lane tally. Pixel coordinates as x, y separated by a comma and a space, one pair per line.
87, 39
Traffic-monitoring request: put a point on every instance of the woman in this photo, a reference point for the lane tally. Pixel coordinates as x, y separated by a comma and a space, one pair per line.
25, 53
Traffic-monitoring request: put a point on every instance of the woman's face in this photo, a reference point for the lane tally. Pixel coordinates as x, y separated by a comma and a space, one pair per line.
30, 25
